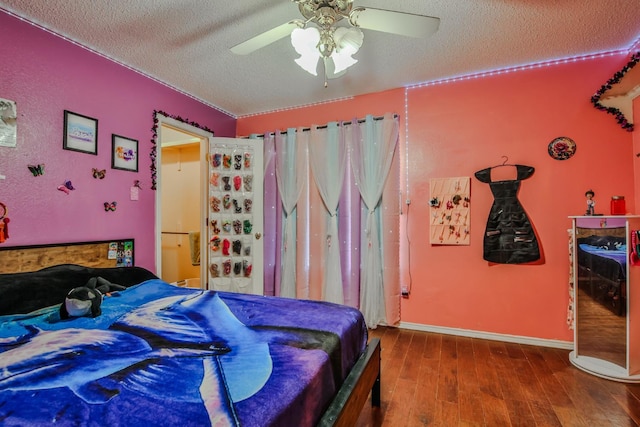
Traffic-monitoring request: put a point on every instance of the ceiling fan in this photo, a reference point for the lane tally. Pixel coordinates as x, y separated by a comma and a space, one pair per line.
323, 35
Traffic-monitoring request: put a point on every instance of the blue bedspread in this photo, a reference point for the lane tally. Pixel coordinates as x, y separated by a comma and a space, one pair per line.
619, 256
160, 355
608, 263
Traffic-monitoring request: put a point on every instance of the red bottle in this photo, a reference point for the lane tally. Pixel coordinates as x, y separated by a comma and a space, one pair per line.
618, 205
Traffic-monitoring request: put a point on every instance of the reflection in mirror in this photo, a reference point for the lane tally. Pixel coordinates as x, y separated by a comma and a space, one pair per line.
601, 292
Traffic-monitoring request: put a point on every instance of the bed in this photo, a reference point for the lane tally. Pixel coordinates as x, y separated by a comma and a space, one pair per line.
165, 355
603, 259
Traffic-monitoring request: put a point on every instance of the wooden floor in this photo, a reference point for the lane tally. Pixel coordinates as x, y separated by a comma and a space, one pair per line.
430, 379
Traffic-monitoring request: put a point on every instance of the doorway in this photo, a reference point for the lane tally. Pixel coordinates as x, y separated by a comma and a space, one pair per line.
180, 205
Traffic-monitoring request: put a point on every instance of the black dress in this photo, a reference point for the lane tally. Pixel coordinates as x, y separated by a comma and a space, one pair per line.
509, 237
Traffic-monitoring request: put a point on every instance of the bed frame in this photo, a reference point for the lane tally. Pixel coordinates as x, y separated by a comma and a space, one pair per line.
364, 377
344, 410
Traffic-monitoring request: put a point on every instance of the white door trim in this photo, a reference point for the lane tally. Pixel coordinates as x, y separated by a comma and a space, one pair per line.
204, 147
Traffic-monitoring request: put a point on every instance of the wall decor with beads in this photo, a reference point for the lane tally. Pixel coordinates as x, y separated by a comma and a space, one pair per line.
450, 201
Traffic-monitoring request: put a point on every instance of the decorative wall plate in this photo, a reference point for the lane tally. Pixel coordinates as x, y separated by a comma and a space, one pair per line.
562, 148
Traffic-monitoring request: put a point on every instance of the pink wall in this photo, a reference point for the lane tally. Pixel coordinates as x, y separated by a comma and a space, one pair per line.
467, 126
636, 149
45, 75
457, 128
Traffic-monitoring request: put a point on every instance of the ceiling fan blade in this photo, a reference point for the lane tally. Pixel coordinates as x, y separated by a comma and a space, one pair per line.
265, 39
388, 21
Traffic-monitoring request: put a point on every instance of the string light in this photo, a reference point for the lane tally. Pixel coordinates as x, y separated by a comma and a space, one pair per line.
516, 68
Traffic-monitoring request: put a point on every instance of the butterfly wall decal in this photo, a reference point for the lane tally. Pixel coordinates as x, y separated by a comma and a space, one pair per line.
99, 174
66, 187
110, 206
36, 170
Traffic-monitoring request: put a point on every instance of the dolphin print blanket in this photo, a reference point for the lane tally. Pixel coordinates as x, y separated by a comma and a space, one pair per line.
160, 355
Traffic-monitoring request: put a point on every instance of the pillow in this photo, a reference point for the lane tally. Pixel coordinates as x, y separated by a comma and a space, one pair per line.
22, 293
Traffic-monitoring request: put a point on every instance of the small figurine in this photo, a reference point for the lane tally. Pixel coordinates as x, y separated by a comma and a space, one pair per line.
591, 204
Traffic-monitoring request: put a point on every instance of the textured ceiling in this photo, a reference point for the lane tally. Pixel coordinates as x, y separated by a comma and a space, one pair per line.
186, 43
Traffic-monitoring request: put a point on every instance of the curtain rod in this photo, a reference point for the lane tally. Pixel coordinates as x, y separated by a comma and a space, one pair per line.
395, 116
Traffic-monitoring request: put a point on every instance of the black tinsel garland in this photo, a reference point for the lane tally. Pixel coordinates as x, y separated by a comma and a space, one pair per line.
595, 99
154, 138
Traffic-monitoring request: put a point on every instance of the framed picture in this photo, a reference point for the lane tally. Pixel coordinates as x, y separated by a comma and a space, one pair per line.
80, 133
124, 154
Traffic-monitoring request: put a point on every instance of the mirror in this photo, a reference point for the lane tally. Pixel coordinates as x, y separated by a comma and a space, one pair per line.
601, 253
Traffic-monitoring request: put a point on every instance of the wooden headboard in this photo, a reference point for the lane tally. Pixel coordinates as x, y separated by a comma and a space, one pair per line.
615, 232
104, 253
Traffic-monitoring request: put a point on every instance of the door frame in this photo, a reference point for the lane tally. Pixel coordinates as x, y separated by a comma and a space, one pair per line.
204, 148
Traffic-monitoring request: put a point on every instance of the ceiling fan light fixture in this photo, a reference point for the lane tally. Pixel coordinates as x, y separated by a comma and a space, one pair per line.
332, 31
342, 62
309, 63
348, 41
338, 44
305, 42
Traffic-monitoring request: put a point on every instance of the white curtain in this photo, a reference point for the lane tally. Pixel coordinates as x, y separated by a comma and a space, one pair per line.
328, 157
372, 146
272, 219
291, 170
269, 150
332, 220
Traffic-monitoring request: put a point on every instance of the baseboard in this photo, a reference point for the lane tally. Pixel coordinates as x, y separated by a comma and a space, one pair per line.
566, 345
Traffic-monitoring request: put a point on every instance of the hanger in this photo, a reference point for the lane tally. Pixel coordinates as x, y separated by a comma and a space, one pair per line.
505, 159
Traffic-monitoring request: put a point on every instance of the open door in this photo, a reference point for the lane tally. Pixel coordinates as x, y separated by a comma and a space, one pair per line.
181, 203
235, 215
